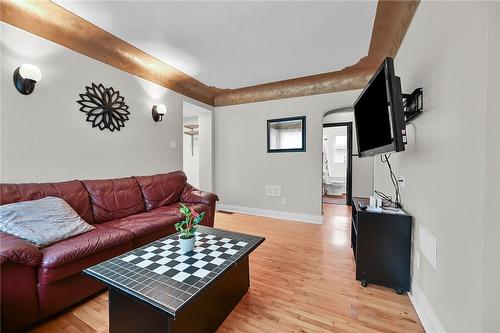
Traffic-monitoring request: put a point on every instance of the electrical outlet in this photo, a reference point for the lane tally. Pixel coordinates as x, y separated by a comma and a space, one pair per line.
173, 144
273, 191
283, 201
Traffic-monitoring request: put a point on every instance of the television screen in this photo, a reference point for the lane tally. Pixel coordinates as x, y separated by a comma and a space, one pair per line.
378, 113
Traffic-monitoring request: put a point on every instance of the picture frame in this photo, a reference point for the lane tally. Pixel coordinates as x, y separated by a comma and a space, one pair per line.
285, 135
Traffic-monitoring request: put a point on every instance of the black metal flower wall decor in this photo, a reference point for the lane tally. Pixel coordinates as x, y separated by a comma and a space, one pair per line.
105, 108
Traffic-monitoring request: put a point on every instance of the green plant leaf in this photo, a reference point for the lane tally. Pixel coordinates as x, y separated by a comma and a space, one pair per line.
187, 227
185, 210
199, 218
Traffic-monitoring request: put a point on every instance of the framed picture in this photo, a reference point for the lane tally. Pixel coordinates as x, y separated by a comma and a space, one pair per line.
286, 135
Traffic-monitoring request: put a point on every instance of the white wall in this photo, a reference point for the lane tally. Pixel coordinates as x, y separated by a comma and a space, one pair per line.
200, 167
191, 154
44, 136
444, 51
492, 180
206, 153
362, 168
243, 167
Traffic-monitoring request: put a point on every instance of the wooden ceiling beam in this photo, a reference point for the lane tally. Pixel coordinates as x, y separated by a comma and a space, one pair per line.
50, 21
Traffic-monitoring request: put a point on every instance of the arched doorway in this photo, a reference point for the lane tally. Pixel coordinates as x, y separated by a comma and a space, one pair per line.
361, 169
337, 161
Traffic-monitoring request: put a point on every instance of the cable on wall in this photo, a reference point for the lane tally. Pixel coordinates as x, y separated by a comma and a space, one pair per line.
396, 202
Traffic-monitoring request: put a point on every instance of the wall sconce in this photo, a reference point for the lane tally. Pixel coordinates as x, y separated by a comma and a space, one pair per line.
158, 112
25, 78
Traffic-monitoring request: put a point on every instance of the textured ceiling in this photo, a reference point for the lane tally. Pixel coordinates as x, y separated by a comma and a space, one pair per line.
238, 44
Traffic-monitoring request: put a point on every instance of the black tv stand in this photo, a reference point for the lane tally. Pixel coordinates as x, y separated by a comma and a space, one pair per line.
381, 243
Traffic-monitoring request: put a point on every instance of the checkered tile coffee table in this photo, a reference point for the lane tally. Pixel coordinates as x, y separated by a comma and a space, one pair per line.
155, 288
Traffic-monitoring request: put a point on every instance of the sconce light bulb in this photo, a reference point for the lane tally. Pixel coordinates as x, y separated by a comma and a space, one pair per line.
161, 109
30, 72
25, 78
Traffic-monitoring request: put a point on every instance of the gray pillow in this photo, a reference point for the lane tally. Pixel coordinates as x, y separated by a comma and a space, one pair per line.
42, 222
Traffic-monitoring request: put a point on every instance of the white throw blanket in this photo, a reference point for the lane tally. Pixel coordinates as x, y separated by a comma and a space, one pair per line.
43, 221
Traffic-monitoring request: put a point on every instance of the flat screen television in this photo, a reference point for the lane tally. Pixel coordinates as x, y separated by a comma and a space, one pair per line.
378, 113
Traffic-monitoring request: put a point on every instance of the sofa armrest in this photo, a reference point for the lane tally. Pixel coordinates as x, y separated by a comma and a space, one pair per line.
14, 249
191, 194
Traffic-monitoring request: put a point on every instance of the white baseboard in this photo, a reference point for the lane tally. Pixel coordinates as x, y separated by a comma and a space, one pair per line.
424, 310
308, 218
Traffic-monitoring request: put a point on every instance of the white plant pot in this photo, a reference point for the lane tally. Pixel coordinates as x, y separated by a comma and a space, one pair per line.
187, 245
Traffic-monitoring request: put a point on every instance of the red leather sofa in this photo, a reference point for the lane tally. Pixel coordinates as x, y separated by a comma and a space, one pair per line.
126, 213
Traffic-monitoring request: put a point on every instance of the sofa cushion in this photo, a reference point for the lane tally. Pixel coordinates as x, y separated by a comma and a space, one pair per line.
73, 192
163, 189
43, 221
72, 255
174, 209
59, 295
145, 223
114, 198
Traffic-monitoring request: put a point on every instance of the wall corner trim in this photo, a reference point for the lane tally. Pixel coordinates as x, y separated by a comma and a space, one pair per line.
424, 310
277, 214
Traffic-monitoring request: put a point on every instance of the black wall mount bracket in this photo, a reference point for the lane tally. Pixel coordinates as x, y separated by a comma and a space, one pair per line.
413, 104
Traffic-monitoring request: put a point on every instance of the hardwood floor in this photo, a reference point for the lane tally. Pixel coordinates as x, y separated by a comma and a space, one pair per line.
302, 280
334, 199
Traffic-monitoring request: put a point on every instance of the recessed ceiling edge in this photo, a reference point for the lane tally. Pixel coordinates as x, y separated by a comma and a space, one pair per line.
50, 21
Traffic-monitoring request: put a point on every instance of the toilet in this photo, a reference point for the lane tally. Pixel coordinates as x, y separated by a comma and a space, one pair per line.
334, 185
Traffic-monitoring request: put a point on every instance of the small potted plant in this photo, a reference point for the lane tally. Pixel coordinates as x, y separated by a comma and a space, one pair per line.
188, 227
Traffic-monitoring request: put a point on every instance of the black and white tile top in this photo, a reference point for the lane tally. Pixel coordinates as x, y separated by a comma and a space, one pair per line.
159, 274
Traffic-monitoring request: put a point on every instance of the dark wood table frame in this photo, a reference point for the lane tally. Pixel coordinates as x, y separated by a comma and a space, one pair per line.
205, 313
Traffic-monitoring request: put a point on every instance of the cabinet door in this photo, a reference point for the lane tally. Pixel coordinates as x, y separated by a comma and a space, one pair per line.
384, 249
